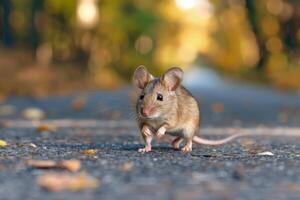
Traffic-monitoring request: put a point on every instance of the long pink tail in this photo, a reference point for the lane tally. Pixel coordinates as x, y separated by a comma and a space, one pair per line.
200, 140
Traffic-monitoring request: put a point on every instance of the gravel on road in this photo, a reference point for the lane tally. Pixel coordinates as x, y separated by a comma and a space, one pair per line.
232, 171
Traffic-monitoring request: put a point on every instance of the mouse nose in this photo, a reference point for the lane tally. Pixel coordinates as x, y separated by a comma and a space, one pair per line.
146, 111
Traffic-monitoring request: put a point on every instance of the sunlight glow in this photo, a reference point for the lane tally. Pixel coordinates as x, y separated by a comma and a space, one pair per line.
203, 8
87, 13
186, 4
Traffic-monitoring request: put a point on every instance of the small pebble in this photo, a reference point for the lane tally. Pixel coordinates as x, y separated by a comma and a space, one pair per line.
265, 153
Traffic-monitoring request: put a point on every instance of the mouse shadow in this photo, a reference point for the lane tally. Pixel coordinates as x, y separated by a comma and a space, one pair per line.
135, 147
115, 146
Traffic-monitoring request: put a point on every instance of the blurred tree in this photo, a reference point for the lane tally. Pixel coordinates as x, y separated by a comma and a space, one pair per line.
35, 9
254, 23
107, 39
5, 29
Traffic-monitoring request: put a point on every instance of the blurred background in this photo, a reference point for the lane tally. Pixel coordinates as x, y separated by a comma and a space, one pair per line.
56, 47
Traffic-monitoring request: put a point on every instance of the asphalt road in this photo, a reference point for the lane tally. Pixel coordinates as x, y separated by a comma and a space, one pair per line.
232, 171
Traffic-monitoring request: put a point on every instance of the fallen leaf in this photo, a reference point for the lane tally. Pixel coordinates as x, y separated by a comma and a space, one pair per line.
293, 187
255, 149
3, 143
78, 103
89, 152
71, 165
265, 153
247, 143
217, 107
290, 187
42, 164
32, 145
33, 113
45, 127
127, 166
64, 181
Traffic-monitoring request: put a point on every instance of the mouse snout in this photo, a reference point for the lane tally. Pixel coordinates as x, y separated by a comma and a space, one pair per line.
146, 111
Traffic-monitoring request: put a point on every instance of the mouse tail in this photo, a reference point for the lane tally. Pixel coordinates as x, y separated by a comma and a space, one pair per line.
200, 140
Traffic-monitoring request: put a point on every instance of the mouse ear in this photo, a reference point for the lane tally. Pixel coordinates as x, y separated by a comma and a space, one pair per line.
172, 78
141, 77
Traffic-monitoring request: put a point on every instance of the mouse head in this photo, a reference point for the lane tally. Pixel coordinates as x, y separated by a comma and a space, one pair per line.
158, 95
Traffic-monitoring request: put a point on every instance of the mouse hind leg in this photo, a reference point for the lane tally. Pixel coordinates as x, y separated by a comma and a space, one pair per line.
188, 146
176, 143
188, 135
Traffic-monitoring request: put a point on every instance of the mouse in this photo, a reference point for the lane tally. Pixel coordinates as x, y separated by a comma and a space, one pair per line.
165, 107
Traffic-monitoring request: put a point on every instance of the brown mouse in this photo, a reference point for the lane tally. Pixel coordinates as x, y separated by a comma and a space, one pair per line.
164, 106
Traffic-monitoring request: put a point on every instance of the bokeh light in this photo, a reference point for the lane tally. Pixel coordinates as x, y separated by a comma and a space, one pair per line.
144, 44
87, 13
186, 4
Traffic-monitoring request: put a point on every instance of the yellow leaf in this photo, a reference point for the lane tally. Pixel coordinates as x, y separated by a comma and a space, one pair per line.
56, 182
217, 107
3, 143
89, 152
127, 166
78, 103
45, 128
71, 165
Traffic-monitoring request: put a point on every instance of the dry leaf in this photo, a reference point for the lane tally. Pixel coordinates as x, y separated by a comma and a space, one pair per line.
293, 187
247, 143
127, 166
71, 165
33, 113
78, 103
3, 143
42, 164
89, 152
45, 127
63, 181
217, 107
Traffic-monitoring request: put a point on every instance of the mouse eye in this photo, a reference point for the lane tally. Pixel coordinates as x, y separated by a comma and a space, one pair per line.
159, 97
142, 96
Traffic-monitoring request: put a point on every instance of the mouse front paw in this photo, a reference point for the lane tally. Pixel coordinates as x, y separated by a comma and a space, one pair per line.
160, 132
159, 135
146, 131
